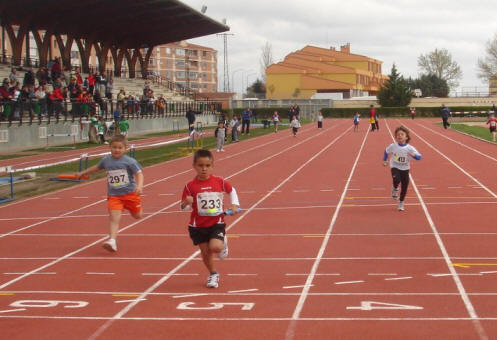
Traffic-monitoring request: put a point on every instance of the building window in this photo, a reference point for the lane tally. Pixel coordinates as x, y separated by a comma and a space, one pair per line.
168, 50
180, 52
204, 53
180, 74
180, 63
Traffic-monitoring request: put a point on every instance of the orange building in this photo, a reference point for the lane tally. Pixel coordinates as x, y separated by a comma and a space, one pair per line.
313, 70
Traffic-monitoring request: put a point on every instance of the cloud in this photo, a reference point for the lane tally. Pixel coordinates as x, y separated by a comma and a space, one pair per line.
397, 31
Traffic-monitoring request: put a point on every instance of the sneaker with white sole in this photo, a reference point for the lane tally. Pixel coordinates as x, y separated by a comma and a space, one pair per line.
400, 207
395, 193
110, 245
224, 253
213, 280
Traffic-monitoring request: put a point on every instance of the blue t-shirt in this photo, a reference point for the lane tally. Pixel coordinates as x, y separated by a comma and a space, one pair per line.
120, 174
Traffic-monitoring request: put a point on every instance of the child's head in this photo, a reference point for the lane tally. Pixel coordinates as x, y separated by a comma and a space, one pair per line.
402, 135
293, 118
118, 145
220, 124
492, 115
203, 163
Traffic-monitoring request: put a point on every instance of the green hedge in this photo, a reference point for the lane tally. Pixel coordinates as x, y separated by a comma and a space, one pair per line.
399, 111
261, 112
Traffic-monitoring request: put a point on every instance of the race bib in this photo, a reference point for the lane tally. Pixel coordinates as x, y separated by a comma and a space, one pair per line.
117, 178
210, 203
400, 158
493, 123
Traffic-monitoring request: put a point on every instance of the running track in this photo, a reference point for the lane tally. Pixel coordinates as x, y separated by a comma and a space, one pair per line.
319, 252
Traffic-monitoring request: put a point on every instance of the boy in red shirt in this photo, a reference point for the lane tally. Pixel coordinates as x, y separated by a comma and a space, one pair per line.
493, 125
207, 227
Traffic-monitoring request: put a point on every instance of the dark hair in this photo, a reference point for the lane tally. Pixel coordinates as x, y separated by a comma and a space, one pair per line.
201, 154
406, 131
119, 139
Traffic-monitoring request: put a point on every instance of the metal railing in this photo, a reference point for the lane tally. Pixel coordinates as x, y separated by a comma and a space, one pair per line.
48, 111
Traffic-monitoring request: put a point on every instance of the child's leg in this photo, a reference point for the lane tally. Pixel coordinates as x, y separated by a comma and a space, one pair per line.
114, 218
396, 177
219, 143
207, 256
404, 178
493, 135
137, 215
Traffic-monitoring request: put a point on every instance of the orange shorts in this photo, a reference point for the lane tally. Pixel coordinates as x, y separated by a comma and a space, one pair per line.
131, 202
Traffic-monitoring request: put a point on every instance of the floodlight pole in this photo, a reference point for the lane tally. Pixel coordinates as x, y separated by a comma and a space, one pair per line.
226, 77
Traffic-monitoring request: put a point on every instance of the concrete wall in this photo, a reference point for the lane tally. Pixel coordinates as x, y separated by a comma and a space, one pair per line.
27, 136
422, 102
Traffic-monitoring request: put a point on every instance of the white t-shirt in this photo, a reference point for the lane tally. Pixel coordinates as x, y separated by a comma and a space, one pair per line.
295, 123
401, 155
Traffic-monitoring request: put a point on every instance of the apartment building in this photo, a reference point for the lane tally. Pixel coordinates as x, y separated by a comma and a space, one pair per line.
190, 65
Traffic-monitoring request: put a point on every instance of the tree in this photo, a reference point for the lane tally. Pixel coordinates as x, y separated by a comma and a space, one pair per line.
266, 59
440, 63
487, 66
257, 89
430, 85
395, 92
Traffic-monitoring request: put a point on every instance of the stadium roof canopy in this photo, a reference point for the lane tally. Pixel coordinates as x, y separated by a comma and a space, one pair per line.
121, 23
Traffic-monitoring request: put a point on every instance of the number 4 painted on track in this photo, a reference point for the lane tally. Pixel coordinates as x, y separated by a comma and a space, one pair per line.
371, 305
216, 305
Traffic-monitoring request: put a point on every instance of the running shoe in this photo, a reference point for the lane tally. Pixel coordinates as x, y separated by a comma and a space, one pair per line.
395, 193
213, 280
224, 253
110, 245
400, 207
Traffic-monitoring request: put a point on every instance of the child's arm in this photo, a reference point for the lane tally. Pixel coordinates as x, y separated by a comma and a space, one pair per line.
88, 171
186, 199
414, 153
139, 182
235, 203
385, 158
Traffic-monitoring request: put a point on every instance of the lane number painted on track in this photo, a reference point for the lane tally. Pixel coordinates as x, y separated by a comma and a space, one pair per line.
48, 304
215, 305
372, 305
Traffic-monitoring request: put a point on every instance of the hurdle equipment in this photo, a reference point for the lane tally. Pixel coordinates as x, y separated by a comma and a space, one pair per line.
10, 195
43, 133
195, 139
83, 165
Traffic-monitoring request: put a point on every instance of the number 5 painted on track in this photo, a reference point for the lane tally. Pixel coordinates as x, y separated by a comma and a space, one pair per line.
216, 305
371, 305
48, 303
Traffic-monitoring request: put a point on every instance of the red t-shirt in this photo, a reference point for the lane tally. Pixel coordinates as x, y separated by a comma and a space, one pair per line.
208, 208
492, 122
373, 113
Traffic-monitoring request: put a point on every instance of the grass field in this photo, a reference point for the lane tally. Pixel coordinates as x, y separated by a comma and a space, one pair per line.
477, 131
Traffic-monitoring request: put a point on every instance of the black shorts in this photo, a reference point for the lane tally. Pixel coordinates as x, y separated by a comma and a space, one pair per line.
204, 235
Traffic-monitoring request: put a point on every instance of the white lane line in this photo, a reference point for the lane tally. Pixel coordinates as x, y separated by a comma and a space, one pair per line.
457, 280
243, 290
319, 274
489, 272
52, 198
99, 273
161, 274
382, 274
455, 187
353, 189
126, 301
462, 144
80, 197
398, 278
125, 310
301, 190
186, 295
348, 282
326, 190
13, 310
478, 183
298, 286
243, 274
69, 255
428, 188
449, 274
317, 261
166, 194
44, 273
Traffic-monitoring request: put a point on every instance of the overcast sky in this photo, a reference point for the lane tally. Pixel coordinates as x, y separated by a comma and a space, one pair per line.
391, 31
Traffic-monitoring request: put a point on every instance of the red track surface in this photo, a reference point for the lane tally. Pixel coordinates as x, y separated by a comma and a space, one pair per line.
319, 239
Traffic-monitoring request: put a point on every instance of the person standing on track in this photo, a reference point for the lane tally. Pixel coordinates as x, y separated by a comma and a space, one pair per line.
246, 120
207, 228
295, 125
493, 125
374, 116
357, 118
276, 121
401, 153
445, 116
124, 183
320, 120
412, 112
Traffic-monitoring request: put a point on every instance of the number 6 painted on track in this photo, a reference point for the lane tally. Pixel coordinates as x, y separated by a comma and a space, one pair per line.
216, 305
48, 303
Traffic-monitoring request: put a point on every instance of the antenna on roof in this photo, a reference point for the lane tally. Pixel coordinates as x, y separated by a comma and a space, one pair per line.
204, 9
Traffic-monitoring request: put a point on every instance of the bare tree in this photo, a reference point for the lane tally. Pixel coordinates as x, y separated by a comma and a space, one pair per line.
487, 66
440, 63
266, 58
